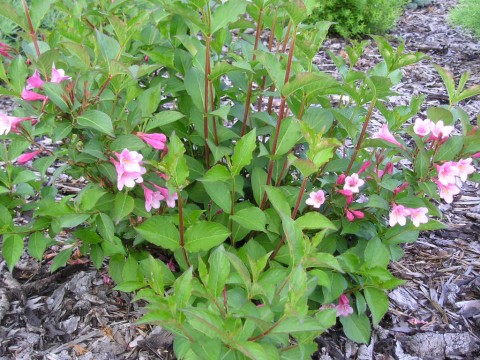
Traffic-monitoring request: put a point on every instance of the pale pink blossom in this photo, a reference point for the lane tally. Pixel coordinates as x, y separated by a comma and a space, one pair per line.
29, 95
130, 160
447, 191
169, 199
34, 81
4, 49
418, 216
316, 199
440, 131
26, 157
398, 215
447, 172
157, 141
385, 134
465, 168
422, 127
129, 169
58, 75
343, 307
353, 182
152, 198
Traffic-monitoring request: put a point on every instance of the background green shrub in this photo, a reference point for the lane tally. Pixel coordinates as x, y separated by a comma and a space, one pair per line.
467, 15
356, 18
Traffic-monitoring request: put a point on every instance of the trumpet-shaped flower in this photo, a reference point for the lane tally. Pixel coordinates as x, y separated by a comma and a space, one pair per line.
418, 216
26, 157
152, 198
34, 81
10, 123
398, 215
316, 199
447, 172
129, 169
447, 191
29, 95
422, 127
130, 160
157, 141
169, 199
385, 134
465, 168
353, 183
58, 75
343, 307
440, 131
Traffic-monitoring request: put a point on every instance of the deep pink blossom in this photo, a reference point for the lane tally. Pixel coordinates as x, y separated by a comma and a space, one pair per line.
476, 155
364, 167
385, 134
398, 215
29, 95
58, 75
349, 214
316, 199
341, 179
157, 141
26, 157
418, 216
34, 81
152, 198
400, 188
343, 307
447, 172
465, 168
447, 191
4, 49
440, 131
358, 214
353, 182
422, 127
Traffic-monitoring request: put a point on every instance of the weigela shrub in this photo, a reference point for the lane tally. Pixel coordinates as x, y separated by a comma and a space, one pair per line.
225, 183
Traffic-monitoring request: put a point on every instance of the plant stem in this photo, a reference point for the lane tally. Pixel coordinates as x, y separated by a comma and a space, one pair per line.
30, 26
181, 226
205, 110
362, 136
266, 332
212, 105
232, 212
270, 45
250, 85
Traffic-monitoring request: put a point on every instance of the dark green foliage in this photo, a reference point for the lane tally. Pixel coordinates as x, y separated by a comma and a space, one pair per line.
357, 18
467, 15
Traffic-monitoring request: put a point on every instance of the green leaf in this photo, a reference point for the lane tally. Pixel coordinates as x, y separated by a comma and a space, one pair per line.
313, 82
226, 13
37, 243
123, 206
105, 227
288, 136
376, 253
175, 161
243, 152
163, 118
378, 303
252, 350
71, 220
129, 141
183, 289
109, 47
450, 149
259, 179
435, 114
149, 100
314, 220
294, 238
195, 86
400, 235
17, 71
161, 232
220, 195
61, 259
278, 200
422, 164
205, 235
467, 93
129, 286
217, 172
356, 327
448, 80
96, 120
252, 219
219, 271
54, 92
295, 324
38, 10
12, 249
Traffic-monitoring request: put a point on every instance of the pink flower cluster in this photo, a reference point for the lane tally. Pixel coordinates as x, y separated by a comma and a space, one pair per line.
153, 198
448, 173
343, 308
36, 82
438, 131
11, 123
399, 214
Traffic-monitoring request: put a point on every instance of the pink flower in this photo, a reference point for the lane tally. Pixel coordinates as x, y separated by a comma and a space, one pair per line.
341, 179
464, 168
349, 214
447, 172
354, 214
58, 75
343, 307
422, 127
440, 131
5, 124
26, 157
476, 155
34, 81
28, 95
385, 134
401, 188
418, 216
169, 199
157, 141
152, 198
398, 215
348, 195
364, 167
316, 199
447, 191
353, 182
129, 169
4, 49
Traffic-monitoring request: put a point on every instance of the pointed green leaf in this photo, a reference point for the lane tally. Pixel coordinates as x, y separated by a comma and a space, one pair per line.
252, 219
357, 327
243, 152
96, 120
218, 272
378, 303
314, 220
161, 232
226, 13
220, 195
205, 235
124, 205
12, 249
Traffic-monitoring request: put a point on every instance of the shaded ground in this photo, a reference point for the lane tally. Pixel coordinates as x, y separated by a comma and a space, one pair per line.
75, 314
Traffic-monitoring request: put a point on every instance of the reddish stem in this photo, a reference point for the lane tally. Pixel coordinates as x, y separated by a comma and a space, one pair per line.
205, 110
181, 227
30, 26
